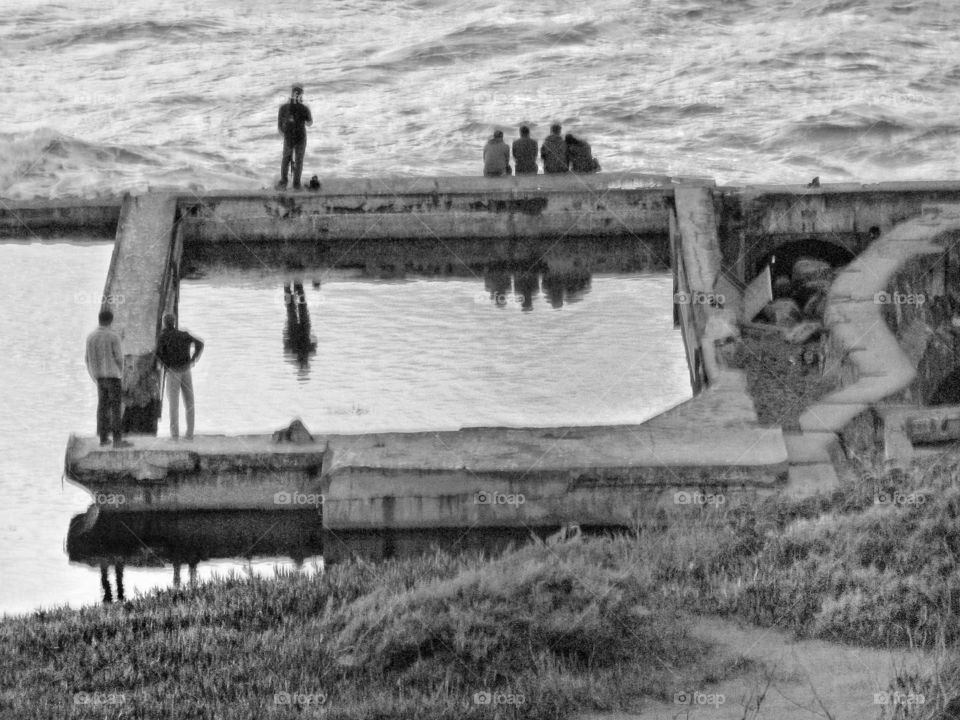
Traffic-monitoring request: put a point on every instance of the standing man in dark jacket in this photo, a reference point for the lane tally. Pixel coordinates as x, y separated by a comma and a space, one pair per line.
104, 360
292, 122
525, 152
554, 152
173, 353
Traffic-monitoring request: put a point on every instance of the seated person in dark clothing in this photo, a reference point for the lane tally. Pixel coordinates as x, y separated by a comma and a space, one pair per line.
525, 153
580, 156
554, 152
496, 156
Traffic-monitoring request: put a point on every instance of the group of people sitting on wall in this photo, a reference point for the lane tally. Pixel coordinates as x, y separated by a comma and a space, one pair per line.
559, 154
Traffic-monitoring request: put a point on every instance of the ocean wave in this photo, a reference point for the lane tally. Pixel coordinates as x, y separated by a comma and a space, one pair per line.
46, 163
844, 127
133, 29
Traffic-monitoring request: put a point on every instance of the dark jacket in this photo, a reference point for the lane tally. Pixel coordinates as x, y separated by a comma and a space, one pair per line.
292, 122
496, 157
525, 155
173, 348
554, 154
581, 158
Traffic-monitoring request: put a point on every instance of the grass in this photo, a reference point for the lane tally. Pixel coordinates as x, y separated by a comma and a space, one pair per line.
781, 385
597, 623
548, 629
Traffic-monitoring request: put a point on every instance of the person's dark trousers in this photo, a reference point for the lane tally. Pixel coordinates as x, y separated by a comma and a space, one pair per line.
108, 409
295, 153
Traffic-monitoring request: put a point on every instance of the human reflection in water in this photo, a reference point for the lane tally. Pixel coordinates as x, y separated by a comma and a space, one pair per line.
192, 569
105, 581
569, 284
497, 283
526, 284
508, 289
297, 340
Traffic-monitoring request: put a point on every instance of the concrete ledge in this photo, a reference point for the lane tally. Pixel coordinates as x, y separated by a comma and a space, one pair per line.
591, 475
39, 219
212, 472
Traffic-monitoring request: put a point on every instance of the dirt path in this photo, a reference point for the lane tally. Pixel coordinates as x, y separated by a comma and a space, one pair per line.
803, 679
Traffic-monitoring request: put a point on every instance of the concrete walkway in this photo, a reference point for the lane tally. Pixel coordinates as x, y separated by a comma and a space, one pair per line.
856, 325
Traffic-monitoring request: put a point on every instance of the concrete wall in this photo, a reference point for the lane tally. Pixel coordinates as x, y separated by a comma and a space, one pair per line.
756, 219
438, 225
56, 218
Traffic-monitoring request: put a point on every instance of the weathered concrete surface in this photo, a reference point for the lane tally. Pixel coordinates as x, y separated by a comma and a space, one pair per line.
139, 282
52, 218
707, 304
862, 350
905, 425
609, 222
849, 215
590, 475
208, 473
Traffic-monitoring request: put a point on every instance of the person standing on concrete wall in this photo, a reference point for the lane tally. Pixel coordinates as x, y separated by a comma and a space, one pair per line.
496, 156
525, 153
554, 152
104, 360
292, 122
174, 354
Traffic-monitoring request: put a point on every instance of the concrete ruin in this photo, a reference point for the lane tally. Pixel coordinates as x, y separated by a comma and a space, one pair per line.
716, 240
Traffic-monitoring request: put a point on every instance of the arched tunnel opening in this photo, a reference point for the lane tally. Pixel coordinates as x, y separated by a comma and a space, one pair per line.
784, 256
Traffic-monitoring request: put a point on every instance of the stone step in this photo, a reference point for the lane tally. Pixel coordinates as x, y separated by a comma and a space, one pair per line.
810, 448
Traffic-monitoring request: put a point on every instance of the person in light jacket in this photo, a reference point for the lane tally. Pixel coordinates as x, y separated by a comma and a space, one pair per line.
104, 359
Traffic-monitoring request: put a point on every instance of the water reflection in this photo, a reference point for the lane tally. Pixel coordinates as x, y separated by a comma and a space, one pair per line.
566, 285
522, 288
174, 539
298, 343
105, 582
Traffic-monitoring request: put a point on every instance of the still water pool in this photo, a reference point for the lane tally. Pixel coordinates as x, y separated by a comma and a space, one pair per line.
389, 355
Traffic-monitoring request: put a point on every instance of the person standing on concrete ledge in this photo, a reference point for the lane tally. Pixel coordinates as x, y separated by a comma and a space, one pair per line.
173, 353
104, 360
292, 122
525, 153
496, 156
554, 151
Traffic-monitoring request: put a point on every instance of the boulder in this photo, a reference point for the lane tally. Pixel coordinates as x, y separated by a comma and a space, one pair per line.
296, 432
806, 268
783, 312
